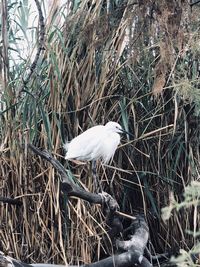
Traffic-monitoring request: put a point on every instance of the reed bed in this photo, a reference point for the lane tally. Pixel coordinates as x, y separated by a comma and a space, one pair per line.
134, 63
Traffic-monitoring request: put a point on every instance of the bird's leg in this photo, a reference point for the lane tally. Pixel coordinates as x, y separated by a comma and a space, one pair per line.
97, 185
94, 174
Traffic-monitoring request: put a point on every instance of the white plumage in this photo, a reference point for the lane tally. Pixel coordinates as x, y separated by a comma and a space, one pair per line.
98, 142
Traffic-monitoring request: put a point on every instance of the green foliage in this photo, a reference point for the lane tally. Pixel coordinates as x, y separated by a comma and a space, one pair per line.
187, 259
191, 199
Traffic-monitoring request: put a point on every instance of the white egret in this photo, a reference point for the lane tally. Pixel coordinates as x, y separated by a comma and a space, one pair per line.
98, 142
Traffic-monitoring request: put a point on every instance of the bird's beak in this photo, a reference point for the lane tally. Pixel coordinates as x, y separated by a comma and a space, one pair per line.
124, 131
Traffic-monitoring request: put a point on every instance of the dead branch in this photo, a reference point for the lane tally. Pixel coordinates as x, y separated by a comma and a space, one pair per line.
67, 185
73, 189
139, 235
134, 247
10, 201
133, 254
134, 251
127, 259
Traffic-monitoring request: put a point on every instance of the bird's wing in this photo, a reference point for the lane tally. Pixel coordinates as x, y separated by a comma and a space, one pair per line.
83, 146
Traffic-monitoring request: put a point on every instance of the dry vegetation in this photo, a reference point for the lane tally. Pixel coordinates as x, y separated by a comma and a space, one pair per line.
134, 63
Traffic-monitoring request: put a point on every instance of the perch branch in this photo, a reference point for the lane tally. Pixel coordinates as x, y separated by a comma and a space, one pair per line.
134, 247
67, 185
70, 187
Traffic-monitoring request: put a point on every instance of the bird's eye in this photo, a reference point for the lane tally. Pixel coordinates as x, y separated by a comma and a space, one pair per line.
118, 128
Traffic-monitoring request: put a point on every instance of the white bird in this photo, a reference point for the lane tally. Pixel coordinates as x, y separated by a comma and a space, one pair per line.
98, 142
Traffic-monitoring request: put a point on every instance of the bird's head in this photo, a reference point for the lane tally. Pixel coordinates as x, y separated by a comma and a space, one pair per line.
116, 127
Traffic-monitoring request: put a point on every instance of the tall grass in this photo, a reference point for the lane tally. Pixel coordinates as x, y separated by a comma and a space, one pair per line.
104, 60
